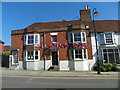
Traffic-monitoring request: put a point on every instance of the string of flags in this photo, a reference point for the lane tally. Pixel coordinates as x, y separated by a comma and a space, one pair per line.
71, 45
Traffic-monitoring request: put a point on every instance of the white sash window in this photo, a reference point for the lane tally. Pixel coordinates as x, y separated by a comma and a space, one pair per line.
77, 37
32, 55
107, 38
79, 54
31, 39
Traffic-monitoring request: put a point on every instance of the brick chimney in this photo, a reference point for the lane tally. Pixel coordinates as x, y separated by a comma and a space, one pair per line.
85, 14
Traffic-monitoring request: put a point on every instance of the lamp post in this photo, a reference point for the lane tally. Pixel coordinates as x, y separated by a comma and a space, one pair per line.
95, 13
44, 48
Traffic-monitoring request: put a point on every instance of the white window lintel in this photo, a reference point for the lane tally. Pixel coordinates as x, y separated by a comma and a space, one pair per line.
53, 34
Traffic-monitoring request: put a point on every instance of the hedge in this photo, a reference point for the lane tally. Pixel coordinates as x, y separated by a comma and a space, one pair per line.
109, 67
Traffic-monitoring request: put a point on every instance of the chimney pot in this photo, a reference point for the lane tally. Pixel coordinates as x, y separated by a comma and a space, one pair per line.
87, 7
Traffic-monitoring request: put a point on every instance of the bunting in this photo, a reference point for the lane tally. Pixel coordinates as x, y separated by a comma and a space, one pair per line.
70, 45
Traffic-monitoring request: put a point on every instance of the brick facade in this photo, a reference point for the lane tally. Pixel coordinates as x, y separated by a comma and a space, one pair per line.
63, 28
1, 47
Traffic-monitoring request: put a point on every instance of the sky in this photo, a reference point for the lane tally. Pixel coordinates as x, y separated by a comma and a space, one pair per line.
19, 15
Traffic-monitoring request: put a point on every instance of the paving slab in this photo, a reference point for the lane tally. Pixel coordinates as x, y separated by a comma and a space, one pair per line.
56, 73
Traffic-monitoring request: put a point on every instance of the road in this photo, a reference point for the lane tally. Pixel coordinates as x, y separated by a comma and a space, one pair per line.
59, 82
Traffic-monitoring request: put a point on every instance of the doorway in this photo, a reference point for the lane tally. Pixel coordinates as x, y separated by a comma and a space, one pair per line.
15, 57
54, 57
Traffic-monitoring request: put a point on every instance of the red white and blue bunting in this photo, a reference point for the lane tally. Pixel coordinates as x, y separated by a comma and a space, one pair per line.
70, 45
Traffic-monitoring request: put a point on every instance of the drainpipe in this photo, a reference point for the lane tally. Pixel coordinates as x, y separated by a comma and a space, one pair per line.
44, 49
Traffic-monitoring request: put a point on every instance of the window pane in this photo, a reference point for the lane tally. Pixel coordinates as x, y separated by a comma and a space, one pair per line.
36, 39
36, 52
108, 37
77, 34
116, 50
84, 53
36, 57
54, 38
83, 37
30, 39
109, 41
104, 50
77, 37
110, 50
111, 58
30, 55
105, 58
117, 58
78, 54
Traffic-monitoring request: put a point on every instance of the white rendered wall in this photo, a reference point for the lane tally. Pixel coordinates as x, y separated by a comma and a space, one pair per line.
93, 47
64, 65
20, 65
91, 64
117, 38
81, 65
75, 65
84, 65
36, 65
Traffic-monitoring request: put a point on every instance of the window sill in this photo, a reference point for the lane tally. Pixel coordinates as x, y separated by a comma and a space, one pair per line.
78, 59
109, 43
15, 64
54, 42
31, 60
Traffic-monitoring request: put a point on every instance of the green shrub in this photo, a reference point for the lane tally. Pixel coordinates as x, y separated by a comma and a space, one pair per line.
109, 67
103, 69
6, 53
114, 67
118, 70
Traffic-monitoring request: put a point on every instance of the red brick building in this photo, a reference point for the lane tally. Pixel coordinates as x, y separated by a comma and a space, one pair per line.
63, 45
1, 46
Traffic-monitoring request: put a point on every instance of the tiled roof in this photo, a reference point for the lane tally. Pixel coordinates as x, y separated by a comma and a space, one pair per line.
107, 25
101, 26
53, 24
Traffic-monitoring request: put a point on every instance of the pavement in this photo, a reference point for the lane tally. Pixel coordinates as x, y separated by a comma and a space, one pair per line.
6, 72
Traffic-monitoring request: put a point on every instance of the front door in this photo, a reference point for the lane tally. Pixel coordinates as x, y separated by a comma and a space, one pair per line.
54, 58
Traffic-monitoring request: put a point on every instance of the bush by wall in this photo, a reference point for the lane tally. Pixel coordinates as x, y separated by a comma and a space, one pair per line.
109, 67
6, 53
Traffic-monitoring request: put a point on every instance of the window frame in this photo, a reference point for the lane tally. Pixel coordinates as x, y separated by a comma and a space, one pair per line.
13, 61
26, 55
108, 52
34, 36
77, 59
52, 38
105, 39
73, 39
